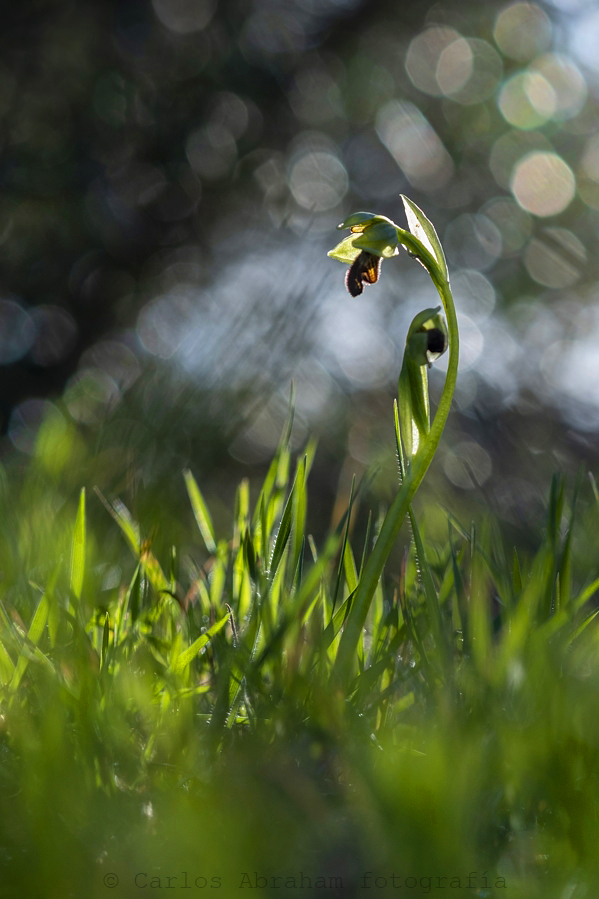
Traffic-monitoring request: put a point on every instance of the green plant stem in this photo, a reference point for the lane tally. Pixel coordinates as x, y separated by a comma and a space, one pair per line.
399, 508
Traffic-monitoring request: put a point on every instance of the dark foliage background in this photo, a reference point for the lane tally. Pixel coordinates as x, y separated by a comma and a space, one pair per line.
172, 174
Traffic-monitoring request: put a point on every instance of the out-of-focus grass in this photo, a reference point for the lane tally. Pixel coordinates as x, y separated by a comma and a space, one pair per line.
169, 713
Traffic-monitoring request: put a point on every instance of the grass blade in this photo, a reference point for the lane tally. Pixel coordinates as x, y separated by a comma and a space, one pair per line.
78, 549
200, 511
188, 655
38, 622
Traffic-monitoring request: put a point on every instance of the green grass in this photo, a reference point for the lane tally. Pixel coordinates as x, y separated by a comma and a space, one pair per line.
162, 718
184, 706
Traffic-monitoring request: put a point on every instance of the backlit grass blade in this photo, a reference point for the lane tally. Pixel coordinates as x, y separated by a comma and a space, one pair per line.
242, 660
334, 625
188, 655
344, 542
242, 507
130, 528
219, 573
586, 594
7, 666
105, 641
133, 596
460, 593
566, 561
565, 574
556, 508
298, 603
78, 549
349, 567
36, 628
430, 591
516, 573
524, 616
366, 544
299, 515
479, 610
153, 571
276, 474
200, 511
125, 521
309, 454
282, 535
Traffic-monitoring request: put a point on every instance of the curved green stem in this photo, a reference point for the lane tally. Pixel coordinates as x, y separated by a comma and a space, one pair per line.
399, 508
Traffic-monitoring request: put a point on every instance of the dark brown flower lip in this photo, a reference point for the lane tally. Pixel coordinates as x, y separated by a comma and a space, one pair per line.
436, 341
365, 269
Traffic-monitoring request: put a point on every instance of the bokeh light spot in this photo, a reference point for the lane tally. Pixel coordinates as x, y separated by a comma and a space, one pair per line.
555, 259
510, 148
455, 66
115, 359
527, 100
273, 31
469, 71
358, 345
164, 324
513, 223
184, 16
472, 241
55, 335
570, 368
590, 159
567, 82
583, 38
211, 151
318, 181
522, 30
231, 112
543, 184
373, 172
468, 465
472, 344
89, 394
26, 420
570, 5
588, 186
474, 295
414, 144
423, 57
315, 97
17, 332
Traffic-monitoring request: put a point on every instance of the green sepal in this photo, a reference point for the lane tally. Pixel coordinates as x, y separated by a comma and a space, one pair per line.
379, 239
413, 402
422, 320
417, 339
359, 221
345, 251
412, 389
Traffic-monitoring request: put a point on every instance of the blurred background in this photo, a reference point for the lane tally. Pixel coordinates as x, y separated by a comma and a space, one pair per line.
173, 172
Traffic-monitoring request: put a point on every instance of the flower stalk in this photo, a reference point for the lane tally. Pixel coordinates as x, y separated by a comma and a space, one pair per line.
420, 241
